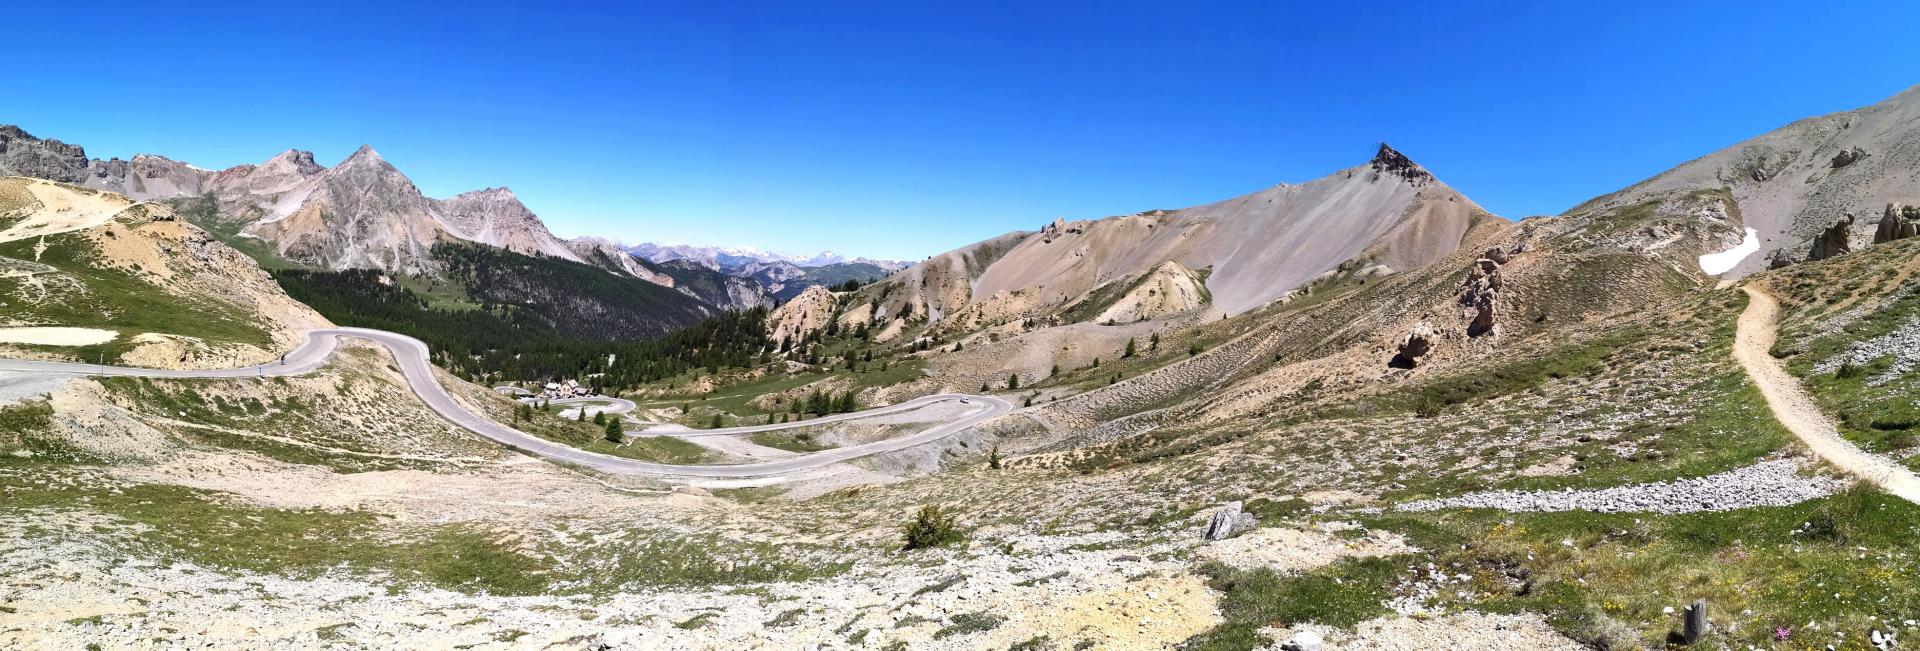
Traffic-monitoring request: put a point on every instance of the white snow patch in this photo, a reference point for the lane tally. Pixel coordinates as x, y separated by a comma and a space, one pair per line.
54, 336
1718, 263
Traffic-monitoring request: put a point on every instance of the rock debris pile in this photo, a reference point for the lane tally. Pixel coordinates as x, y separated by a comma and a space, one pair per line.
1769, 483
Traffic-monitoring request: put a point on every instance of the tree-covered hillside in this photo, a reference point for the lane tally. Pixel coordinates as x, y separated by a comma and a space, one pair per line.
588, 327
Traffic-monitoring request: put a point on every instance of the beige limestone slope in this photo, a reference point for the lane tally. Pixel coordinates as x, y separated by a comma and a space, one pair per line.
1390, 215
38, 208
809, 311
1170, 289
171, 257
1258, 246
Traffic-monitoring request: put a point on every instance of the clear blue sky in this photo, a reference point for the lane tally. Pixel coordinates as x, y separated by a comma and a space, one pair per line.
900, 129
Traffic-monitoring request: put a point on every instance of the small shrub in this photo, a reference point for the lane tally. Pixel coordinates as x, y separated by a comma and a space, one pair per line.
932, 528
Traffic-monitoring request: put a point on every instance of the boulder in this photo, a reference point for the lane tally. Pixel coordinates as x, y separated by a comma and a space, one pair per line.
1418, 343
1898, 223
1304, 641
1833, 241
1848, 156
1229, 520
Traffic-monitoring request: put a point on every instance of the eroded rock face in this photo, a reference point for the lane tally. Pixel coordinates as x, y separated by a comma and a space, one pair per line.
1229, 520
1418, 343
1898, 223
1833, 241
21, 154
1482, 292
1052, 231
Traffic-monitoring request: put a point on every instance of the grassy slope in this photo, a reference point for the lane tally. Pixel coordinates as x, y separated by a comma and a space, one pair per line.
118, 300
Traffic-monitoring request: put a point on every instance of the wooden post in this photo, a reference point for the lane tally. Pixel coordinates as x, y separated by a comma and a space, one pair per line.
1696, 626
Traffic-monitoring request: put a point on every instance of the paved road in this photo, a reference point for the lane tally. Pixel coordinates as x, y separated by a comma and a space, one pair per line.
412, 356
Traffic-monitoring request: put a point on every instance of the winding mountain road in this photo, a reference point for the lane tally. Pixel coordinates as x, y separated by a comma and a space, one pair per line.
1794, 408
412, 355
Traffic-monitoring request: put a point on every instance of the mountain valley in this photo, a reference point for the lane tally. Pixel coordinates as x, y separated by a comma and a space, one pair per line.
1356, 412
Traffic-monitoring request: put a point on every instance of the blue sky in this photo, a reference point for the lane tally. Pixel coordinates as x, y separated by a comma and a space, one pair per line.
895, 129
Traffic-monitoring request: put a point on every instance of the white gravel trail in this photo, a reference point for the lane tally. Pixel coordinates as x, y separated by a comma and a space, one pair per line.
1797, 410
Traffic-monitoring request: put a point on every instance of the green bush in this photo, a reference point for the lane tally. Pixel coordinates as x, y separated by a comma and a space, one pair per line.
932, 528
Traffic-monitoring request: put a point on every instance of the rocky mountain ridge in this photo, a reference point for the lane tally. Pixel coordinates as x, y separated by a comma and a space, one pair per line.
361, 213
366, 213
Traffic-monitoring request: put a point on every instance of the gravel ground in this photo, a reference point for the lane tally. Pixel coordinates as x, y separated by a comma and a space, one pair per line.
67, 581
15, 387
1769, 483
1903, 344
1458, 631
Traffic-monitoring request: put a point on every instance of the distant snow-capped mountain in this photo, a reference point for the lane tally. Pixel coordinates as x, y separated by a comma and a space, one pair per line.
732, 259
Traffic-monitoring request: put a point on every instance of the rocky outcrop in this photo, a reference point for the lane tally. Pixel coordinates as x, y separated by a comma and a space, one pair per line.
1847, 157
1416, 345
1482, 292
1833, 241
1898, 223
1229, 520
1056, 230
21, 154
147, 177
1390, 161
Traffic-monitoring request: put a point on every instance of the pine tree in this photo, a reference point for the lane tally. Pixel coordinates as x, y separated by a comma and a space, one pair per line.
993, 458
1096, 363
1154, 342
615, 433
959, 346
599, 418
718, 422
1131, 349
581, 416
1013, 381
1055, 371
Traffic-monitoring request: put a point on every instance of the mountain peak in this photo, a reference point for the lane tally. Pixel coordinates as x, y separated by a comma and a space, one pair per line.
1391, 161
365, 154
298, 159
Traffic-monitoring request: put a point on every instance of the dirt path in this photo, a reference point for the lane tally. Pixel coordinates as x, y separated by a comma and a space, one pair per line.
1796, 410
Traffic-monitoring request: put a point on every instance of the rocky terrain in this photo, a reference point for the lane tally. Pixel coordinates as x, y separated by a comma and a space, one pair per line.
1353, 413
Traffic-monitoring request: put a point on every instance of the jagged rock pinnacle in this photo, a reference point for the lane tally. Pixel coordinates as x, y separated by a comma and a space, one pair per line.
1391, 161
